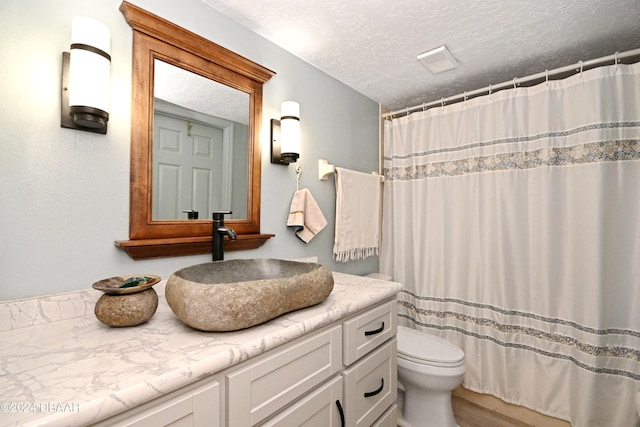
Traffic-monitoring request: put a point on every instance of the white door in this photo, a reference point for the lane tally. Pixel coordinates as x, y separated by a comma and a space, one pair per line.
188, 168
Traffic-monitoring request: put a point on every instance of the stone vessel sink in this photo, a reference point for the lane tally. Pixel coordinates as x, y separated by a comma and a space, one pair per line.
237, 294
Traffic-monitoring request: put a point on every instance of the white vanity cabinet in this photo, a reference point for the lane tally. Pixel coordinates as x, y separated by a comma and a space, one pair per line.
332, 364
343, 375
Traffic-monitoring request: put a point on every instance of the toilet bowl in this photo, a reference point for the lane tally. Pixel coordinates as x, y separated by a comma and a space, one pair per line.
429, 368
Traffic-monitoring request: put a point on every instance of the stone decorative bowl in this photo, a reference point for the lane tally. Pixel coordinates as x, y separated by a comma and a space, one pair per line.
119, 285
237, 294
131, 305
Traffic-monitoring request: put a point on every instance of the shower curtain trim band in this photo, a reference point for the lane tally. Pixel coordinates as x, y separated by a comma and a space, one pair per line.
576, 68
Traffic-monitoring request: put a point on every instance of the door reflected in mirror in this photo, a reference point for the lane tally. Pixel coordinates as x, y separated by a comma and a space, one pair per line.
200, 146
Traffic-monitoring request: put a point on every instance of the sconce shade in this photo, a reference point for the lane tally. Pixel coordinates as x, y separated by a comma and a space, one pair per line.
89, 75
285, 134
290, 130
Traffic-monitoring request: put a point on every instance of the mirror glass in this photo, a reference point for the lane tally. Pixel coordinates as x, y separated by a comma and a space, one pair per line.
200, 146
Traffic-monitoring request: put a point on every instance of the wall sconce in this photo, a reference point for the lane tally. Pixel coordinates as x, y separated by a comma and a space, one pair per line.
285, 134
86, 73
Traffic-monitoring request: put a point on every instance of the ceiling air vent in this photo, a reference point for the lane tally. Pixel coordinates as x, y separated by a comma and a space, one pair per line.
438, 60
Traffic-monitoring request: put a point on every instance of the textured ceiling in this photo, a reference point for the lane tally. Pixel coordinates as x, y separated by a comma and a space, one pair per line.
371, 45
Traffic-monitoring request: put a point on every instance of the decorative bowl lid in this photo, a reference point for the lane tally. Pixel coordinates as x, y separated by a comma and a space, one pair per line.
124, 285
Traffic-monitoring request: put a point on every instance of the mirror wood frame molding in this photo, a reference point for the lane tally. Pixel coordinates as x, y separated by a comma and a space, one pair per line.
156, 38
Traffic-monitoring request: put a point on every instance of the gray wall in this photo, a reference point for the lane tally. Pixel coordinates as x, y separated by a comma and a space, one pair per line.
65, 193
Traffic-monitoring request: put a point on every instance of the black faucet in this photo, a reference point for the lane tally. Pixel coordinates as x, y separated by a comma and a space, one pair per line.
219, 230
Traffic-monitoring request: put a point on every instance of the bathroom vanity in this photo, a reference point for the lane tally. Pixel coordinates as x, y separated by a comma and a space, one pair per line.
331, 364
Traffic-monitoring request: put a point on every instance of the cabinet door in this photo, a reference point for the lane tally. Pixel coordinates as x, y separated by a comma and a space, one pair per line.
370, 386
317, 409
261, 388
197, 408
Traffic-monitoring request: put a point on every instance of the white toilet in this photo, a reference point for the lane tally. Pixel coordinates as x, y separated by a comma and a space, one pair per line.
429, 368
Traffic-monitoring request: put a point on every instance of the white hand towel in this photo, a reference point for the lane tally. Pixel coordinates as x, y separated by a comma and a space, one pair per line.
305, 215
357, 215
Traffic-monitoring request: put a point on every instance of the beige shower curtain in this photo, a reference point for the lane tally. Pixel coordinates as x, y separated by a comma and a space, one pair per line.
513, 221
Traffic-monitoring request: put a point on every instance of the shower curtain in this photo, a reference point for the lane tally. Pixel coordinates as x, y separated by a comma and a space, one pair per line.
513, 222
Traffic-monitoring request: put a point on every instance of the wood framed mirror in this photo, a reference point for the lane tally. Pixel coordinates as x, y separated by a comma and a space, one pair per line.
159, 45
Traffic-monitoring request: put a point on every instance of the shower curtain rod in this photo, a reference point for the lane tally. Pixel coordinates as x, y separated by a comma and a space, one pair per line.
537, 78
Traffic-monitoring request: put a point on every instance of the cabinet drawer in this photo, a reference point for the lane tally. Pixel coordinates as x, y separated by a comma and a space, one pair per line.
370, 387
388, 419
261, 388
367, 331
317, 409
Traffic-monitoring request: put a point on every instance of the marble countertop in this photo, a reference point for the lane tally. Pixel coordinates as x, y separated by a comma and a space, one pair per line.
57, 369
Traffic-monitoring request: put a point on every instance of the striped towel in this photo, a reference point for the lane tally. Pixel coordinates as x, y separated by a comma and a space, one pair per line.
305, 216
357, 215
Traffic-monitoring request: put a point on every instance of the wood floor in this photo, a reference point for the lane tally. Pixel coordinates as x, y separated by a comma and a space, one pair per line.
471, 415
480, 410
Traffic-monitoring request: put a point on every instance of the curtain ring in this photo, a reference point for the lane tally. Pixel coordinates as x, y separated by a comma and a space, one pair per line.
442, 101
515, 83
465, 96
615, 60
546, 76
489, 90
580, 63
423, 107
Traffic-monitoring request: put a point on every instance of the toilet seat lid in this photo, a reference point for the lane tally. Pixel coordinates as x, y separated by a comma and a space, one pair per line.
428, 349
